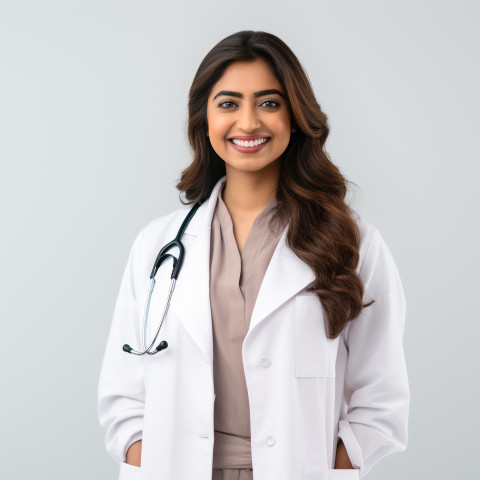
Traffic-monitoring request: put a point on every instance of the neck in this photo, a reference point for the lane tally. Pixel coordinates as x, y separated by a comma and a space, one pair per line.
248, 193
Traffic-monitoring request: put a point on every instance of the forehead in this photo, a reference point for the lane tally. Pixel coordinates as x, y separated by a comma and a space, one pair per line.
247, 77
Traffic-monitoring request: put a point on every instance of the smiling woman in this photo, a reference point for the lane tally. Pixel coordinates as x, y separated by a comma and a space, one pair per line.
285, 357
243, 119
249, 127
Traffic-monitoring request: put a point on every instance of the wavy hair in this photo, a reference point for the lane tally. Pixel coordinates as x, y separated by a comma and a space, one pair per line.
311, 190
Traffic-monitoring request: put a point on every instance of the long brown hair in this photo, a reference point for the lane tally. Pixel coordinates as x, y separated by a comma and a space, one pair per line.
310, 190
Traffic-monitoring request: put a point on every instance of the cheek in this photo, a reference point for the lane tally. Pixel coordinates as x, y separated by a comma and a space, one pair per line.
218, 126
281, 124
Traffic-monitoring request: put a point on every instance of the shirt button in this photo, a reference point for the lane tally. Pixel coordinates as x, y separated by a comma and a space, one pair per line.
265, 362
271, 441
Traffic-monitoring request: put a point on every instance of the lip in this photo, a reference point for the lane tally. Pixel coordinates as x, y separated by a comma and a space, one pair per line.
249, 149
251, 137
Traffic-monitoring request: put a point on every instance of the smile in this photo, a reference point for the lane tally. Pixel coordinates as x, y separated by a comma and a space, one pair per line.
251, 146
251, 143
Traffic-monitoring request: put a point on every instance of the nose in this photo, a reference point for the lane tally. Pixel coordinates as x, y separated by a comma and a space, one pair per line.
248, 120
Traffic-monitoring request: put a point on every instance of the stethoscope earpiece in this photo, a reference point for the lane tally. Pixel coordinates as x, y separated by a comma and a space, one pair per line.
162, 346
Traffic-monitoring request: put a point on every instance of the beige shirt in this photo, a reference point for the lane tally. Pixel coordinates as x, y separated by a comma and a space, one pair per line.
235, 280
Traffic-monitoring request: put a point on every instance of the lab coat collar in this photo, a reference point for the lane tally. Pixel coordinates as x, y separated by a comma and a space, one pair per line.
286, 275
202, 220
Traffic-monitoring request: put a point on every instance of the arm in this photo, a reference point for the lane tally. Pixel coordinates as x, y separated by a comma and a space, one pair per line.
121, 393
134, 454
376, 383
341, 458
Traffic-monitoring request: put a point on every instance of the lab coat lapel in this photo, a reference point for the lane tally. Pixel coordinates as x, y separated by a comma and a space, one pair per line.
286, 275
191, 298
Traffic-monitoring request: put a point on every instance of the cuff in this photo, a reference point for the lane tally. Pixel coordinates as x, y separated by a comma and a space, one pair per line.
121, 435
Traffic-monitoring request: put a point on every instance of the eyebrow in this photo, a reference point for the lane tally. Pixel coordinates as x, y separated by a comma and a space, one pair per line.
261, 93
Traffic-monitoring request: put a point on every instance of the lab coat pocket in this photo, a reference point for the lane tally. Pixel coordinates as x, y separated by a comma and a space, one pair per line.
129, 472
343, 474
315, 354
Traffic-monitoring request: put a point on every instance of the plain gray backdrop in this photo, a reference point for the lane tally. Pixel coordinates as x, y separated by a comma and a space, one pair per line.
93, 112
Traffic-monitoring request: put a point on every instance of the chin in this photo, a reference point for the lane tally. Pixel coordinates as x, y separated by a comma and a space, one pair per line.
250, 167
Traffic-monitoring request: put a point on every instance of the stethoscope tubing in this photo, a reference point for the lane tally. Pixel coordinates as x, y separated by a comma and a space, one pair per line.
177, 264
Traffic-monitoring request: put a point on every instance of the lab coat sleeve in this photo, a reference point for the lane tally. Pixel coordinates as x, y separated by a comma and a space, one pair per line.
121, 393
376, 385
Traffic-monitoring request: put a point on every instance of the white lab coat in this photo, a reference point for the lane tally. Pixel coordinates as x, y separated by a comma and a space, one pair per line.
311, 392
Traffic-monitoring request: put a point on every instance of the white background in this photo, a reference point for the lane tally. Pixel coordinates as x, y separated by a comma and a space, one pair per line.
93, 112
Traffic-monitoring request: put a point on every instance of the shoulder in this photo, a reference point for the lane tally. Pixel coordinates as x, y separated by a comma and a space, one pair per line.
161, 229
376, 265
166, 223
369, 235
146, 246
156, 233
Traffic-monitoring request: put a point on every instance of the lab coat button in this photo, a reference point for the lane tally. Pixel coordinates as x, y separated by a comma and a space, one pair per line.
271, 441
265, 362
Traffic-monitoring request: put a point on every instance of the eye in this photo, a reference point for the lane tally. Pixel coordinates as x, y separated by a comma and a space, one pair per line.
226, 103
276, 104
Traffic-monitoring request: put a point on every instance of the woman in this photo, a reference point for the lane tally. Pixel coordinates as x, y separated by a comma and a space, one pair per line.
275, 366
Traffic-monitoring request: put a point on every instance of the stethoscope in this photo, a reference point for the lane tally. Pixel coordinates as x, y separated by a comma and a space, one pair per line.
177, 264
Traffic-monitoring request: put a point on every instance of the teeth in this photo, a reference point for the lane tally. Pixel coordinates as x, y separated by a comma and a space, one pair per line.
251, 143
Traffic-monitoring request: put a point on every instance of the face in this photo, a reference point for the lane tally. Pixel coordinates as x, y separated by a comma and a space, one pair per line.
248, 104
